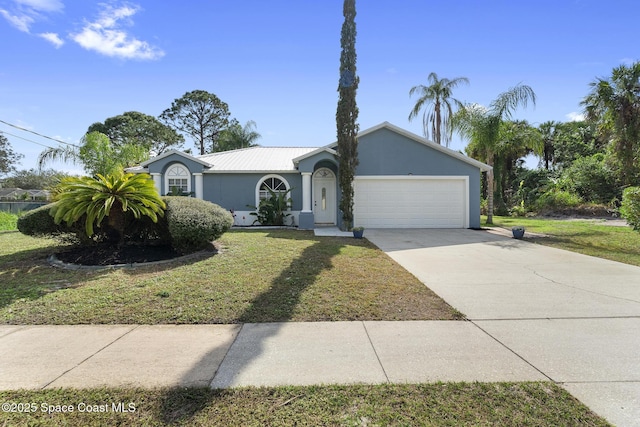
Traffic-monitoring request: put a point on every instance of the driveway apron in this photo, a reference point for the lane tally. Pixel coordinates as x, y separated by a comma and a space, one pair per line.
573, 317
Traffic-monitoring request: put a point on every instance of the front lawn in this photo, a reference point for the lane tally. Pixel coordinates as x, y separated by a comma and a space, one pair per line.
589, 237
259, 276
441, 404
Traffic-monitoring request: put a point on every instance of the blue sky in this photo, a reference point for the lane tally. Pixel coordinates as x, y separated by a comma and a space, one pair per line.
67, 64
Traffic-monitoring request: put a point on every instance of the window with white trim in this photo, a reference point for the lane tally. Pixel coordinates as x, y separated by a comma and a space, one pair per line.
274, 184
178, 179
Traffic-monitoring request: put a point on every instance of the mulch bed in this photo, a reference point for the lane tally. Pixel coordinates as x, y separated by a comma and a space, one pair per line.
103, 255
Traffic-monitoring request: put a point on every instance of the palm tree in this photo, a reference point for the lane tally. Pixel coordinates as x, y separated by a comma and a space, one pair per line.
110, 197
439, 111
236, 136
548, 131
97, 154
614, 104
481, 126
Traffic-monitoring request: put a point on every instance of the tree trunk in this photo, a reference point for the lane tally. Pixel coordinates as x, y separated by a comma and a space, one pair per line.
116, 222
490, 190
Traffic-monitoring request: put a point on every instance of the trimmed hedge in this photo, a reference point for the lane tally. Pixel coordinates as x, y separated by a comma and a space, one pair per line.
194, 223
188, 225
630, 209
39, 223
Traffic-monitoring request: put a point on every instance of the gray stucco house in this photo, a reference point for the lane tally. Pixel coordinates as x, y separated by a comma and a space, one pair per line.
402, 181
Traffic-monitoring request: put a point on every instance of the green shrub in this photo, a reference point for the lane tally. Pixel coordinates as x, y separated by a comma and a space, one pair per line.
40, 223
630, 209
555, 199
592, 179
274, 209
529, 185
193, 223
8, 221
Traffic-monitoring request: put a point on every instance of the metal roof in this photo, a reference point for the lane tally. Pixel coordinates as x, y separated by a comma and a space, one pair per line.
255, 159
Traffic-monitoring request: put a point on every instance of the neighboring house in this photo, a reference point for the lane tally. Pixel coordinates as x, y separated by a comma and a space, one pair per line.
402, 181
17, 194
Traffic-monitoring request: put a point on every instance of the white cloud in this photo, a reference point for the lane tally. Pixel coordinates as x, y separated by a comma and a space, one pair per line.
25, 13
42, 5
21, 21
106, 36
575, 117
52, 38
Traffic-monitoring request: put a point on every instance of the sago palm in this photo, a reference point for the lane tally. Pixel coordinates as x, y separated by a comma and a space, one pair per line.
110, 197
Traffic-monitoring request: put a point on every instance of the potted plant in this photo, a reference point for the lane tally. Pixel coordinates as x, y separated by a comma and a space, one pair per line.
358, 232
518, 232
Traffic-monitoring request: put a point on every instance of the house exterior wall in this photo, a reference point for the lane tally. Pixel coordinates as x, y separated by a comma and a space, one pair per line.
160, 166
310, 164
382, 152
236, 191
387, 153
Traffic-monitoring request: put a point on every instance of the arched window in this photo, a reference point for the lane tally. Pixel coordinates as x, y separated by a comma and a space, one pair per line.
177, 179
274, 183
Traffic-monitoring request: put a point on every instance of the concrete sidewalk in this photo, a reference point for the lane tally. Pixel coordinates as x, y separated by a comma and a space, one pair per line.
41, 357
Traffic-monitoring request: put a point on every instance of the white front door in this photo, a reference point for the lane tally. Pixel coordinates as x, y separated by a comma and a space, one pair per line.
324, 196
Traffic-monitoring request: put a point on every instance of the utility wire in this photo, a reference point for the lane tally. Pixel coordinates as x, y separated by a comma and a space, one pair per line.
28, 140
39, 134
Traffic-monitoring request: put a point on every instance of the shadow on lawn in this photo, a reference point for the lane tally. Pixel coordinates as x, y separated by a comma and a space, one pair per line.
28, 274
278, 303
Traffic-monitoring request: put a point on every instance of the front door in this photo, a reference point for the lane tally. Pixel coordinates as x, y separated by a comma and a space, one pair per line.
324, 196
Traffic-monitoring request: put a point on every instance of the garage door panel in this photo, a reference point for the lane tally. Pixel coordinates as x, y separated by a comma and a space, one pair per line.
416, 202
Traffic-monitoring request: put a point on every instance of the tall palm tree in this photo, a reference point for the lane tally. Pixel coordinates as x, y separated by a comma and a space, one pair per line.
481, 126
614, 104
437, 97
548, 131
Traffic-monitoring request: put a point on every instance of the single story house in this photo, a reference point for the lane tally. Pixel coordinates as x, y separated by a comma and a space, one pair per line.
402, 181
20, 194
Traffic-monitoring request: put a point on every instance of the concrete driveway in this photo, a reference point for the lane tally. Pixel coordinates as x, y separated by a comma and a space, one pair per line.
574, 318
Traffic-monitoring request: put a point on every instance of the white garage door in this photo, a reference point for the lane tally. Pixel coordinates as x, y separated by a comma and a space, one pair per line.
411, 202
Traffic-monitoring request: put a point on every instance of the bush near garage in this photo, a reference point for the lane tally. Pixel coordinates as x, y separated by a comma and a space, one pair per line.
193, 223
630, 209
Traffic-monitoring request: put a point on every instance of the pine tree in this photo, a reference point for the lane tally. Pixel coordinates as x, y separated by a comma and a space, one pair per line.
347, 113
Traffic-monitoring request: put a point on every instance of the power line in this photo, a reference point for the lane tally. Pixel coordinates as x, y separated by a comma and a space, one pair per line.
36, 133
25, 139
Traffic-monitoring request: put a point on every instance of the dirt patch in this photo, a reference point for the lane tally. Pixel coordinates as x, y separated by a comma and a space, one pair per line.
103, 255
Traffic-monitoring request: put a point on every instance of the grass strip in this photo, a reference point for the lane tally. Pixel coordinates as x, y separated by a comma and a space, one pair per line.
440, 404
585, 236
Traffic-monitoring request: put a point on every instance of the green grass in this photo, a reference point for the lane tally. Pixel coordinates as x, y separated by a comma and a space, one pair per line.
589, 237
8, 221
259, 276
440, 404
